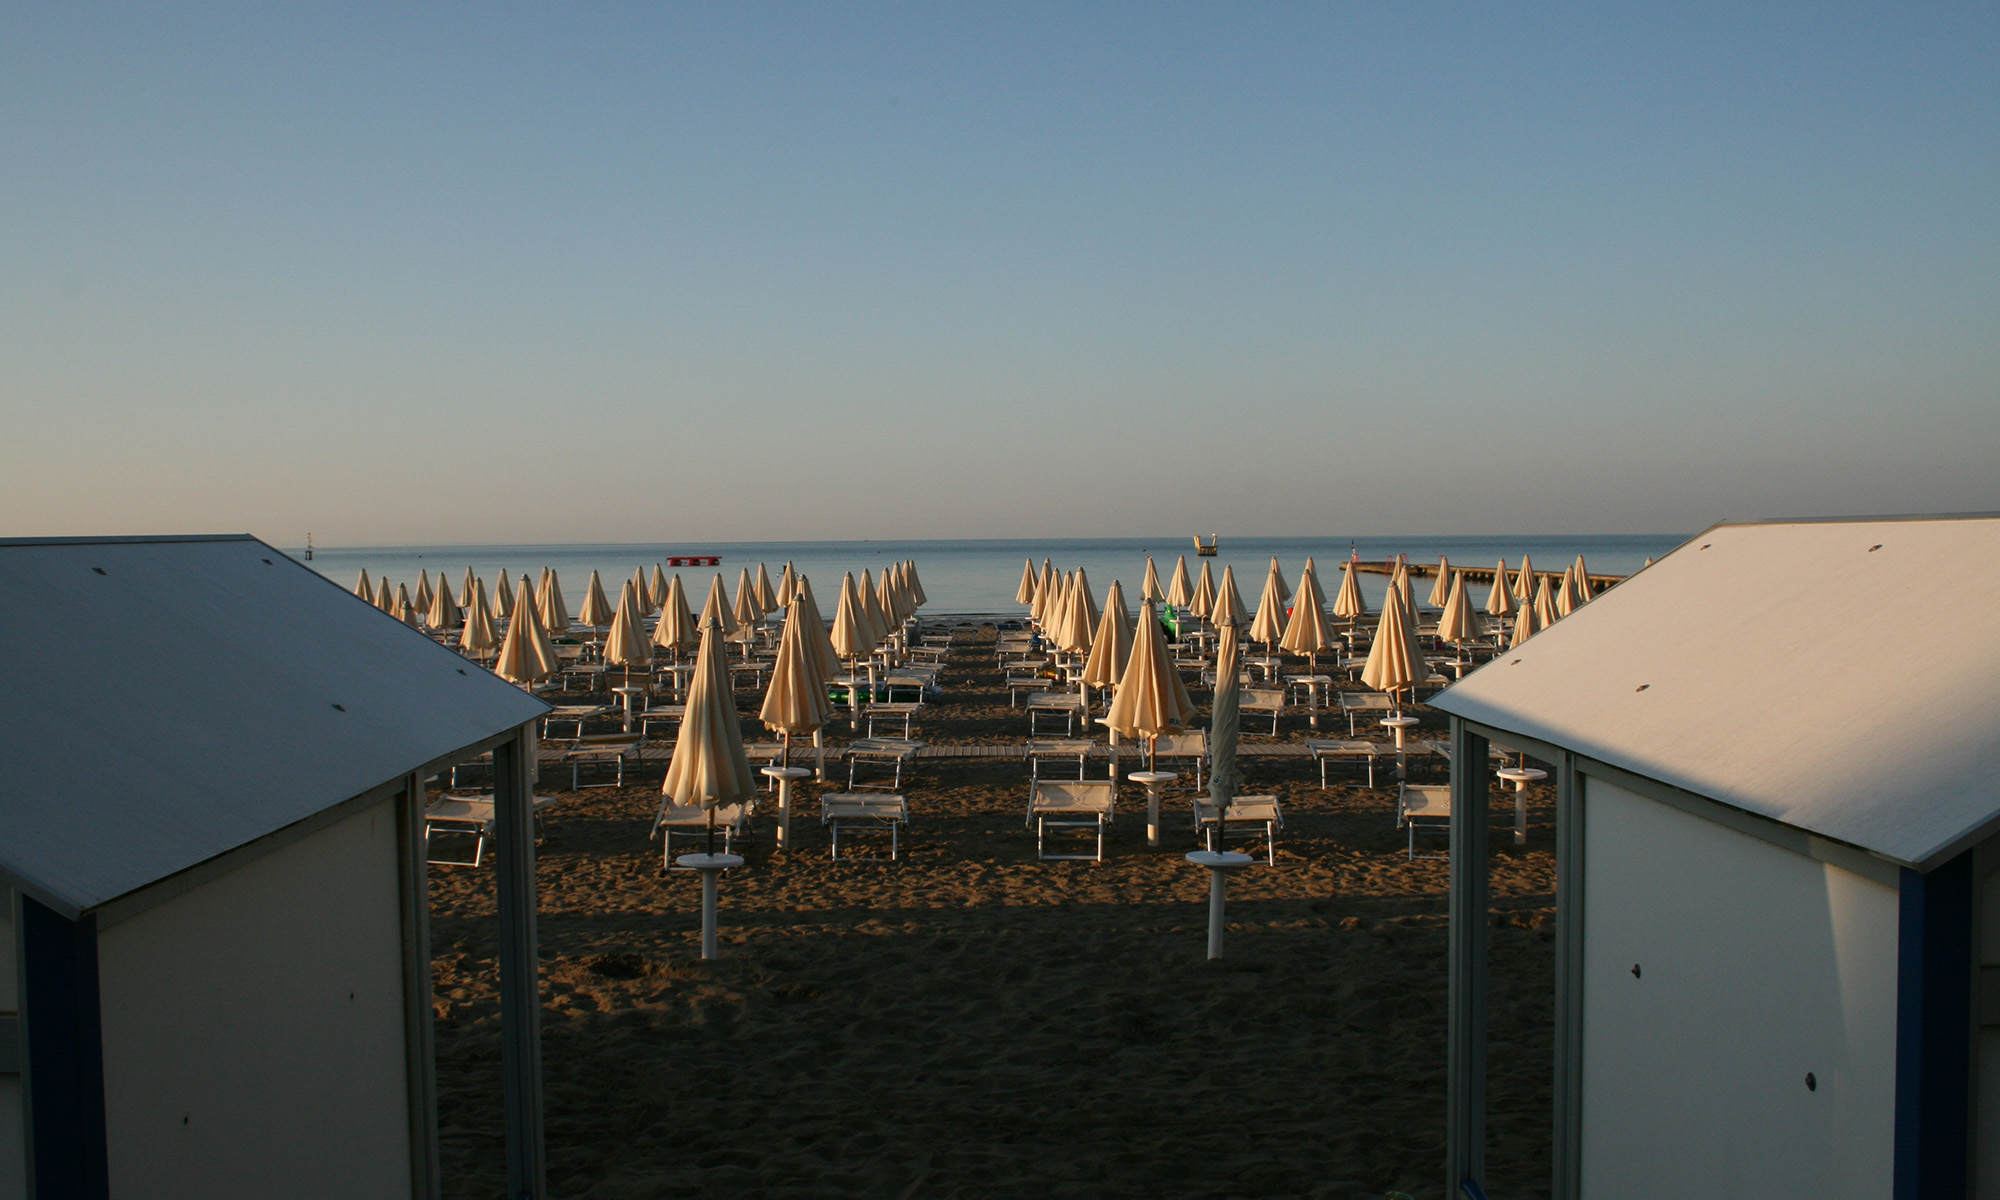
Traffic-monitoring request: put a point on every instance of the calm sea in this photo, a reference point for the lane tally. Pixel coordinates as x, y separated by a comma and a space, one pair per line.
981, 576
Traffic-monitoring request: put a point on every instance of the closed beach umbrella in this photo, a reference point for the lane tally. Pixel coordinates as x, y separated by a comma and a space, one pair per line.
1086, 611
1525, 624
1151, 698
1441, 587
656, 592
1306, 633
1460, 622
525, 655
746, 611
1582, 581
443, 613
1149, 587
1409, 594
1045, 594
642, 593
503, 598
1566, 599
422, 599
625, 643
366, 590
384, 598
709, 768
405, 608
1524, 582
1545, 604
871, 609
465, 590
596, 605
1111, 647
1180, 590
1348, 605
1500, 599
1225, 777
851, 634
816, 635
676, 630
1393, 664
476, 638
788, 586
795, 702
916, 584
549, 602
1228, 608
1284, 589
1025, 594
767, 596
1268, 625
716, 609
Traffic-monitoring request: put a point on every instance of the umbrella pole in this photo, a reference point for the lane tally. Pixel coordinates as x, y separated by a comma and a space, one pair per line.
819, 757
708, 846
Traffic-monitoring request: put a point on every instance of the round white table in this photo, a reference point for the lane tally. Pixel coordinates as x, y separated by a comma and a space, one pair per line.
785, 776
1153, 781
1521, 777
710, 865
1219, 864
626, 695
1398, 724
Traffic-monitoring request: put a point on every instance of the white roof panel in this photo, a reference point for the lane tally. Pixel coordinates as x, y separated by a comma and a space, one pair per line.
168, 700
1842, 677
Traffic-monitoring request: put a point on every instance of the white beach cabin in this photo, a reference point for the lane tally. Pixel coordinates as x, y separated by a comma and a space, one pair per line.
1777, 753
217, 969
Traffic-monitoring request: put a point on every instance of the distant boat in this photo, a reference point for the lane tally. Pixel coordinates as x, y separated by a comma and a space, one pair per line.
1206, 549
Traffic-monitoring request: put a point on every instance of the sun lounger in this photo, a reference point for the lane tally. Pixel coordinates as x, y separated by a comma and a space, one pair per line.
1057, 748
1079, 804
614, 749
668, 715
1245, 817
732, 821
1190, 746
1049, 704
1271, 700
880, 751
570, 713
903, 712
467, 816
871, 813
1425, 806
1329, 750
1356, 703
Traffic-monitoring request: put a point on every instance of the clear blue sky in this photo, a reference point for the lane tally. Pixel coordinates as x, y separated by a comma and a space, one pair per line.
633, 272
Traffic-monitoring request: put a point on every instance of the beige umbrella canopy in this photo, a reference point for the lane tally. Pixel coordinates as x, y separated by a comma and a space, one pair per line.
746, 610
1461, 622
1284, 589
788, 586
767, 596
851, 635
1402, 581
465, 590
656, 591
477, 637
1441, 586
1111, 648
817, 639
1526, 625
1202, 600
642, 593
1151, 698
1394, 666
675, 631
625, 643
1524, 582
1268, 626
549, 602
871, 609
1179, 589
1349, 605
1500, 598
1307, 632
1545, 604
1228, 608
1582, 580
503, 598
716, 609
596, 608
889, 591
525, 655
1046, 586
709, 768
443, 612
1084, 621
915, 584
1149, 587
1224, 729
1025, 594
366, 589
422, 599
384, 598
406, 609
1566, 598
795, 702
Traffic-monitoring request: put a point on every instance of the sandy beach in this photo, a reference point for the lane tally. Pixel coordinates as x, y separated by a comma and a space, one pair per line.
971, 1022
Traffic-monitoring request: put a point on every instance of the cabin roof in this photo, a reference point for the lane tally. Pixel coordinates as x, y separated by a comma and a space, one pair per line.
1839, 676
173, 699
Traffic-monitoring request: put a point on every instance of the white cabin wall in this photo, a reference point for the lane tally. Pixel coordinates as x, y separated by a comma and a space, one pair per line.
1757, 965
254, 1040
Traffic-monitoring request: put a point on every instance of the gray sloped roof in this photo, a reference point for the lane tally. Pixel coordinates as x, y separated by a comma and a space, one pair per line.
1792, 670
181, 703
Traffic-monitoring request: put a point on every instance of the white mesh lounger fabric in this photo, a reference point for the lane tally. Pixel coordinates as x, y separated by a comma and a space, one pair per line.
1425, 806
1344, 750
732, 821
1071, 804
874, 813
1246, 817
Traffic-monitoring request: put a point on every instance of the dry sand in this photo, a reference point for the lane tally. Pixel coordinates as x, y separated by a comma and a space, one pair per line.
970, 1022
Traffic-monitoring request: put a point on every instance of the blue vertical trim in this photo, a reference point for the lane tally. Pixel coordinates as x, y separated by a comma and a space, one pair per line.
63, 1054
1934, 1032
